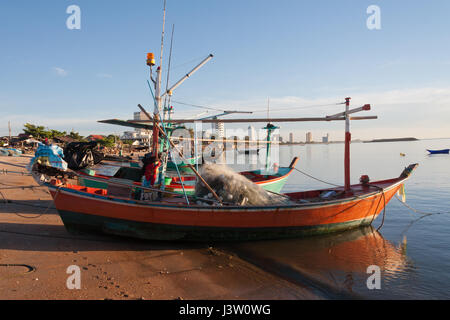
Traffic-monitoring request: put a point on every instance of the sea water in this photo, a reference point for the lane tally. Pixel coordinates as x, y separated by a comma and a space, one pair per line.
412, 250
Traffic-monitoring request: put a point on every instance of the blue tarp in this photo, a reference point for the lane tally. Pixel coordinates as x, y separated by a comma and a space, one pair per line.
50, 156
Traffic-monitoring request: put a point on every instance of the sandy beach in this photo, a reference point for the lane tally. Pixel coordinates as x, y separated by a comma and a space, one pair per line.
36, 250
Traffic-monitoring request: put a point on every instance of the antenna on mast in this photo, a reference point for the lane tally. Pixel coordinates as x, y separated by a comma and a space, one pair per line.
167, 100
162, 35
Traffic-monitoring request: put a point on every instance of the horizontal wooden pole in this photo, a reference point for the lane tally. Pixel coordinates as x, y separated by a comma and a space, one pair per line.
258, 120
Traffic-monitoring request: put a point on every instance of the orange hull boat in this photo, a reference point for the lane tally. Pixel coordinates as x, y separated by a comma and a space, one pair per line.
91, 209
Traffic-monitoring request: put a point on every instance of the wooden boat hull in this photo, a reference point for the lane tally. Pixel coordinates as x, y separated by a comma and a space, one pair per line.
173, 219
76, 223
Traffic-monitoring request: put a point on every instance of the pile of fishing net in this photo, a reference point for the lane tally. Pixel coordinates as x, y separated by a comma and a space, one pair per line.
233, 188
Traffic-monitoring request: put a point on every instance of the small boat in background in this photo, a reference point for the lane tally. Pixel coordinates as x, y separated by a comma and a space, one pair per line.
443, 151
249, 151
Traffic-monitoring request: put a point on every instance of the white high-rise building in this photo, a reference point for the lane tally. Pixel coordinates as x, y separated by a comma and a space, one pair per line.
251, 134
219, 128
309, 137
139, 134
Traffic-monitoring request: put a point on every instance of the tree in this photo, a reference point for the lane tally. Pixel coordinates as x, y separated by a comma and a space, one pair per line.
56, 133
37, 132
109, 141
129, 142
76, 136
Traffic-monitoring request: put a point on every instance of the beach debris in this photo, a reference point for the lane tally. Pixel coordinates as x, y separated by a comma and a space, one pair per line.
234, 188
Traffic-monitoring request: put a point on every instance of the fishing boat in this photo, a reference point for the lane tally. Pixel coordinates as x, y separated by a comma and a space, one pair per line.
249, 151
177, 217
122, 210
84, 209
183, 165
443, 151
273, 181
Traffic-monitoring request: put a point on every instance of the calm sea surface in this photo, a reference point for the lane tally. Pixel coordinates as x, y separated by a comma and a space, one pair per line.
411, 250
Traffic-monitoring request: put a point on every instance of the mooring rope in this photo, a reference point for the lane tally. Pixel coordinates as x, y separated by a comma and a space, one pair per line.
418, 211
32, 217
370, 185
308, 175
6, 171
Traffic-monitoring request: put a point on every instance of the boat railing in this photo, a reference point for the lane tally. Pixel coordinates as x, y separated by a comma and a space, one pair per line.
138, 187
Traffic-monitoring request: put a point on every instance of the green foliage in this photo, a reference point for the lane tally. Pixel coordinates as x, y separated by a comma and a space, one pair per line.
76, 136
130, 142
109, 141
56, 133
39, 132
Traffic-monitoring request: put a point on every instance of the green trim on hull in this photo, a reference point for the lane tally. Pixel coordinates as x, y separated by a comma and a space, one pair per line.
80, 223
92, 183
275, 186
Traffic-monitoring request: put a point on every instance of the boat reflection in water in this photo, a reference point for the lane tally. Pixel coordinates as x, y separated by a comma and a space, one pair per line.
335, 265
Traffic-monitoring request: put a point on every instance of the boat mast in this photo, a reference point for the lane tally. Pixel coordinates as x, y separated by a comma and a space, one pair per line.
158, 103
348, 139
270, 127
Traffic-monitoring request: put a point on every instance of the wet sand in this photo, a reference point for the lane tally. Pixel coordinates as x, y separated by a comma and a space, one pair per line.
36, 250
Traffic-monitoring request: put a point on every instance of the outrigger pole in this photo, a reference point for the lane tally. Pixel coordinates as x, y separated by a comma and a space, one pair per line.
339, 116
310, 119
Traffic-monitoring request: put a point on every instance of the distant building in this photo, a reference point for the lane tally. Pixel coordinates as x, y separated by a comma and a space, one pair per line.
326, 139
143, 136
291, 137
309, 138
251, 133
219, 128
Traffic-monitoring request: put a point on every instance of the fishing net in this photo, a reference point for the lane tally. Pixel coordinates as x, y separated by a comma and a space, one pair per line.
80, 155
233, 188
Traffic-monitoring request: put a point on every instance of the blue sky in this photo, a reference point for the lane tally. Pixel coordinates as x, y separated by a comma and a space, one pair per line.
298, 53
